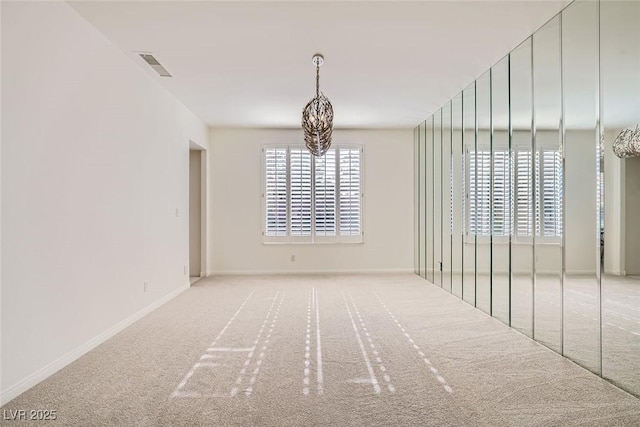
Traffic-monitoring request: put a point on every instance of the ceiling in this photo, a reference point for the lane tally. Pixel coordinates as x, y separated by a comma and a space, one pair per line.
248, 64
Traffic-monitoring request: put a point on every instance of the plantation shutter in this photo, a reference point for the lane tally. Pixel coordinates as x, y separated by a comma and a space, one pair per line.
350, 192
524, 194
325, 194
452, 196
300, 184
275, 192
480, 193
501, 194
472, 194
548, 189
551, 192
538, 190
465, 192
312, 199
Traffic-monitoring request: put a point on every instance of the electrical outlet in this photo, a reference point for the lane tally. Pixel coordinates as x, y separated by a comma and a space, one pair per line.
177, 212
293, 258
146, 286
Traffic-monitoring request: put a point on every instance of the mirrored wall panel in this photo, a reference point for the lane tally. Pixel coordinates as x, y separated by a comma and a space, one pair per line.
521, 116
429, 195
416, 201
422, 209
548, 185
581, 170
437, 198
480, 192
447, 231
528, 189
468, 174
620, 194
457, 196
500, 192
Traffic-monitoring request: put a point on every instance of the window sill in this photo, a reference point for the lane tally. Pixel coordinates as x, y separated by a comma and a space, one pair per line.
360, 242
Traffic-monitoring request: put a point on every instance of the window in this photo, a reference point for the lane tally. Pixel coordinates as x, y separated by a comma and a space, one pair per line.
504, 187
311, 199
276, 191
300, 199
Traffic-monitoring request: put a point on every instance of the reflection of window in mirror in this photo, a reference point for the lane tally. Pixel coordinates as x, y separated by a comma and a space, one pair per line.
513, 186
548, 193
480, 197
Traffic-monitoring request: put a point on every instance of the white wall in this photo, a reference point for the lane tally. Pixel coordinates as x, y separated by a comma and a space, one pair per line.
195, 213
582, 251
94, 170
235, 158
614, 216
1, 238
632, 207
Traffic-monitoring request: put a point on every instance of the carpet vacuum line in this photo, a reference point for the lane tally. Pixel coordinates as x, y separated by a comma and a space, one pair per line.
307, 349
372, 375
319, 374
177, 391
247, 362
385, 375
313, 305
253, 378
432, 368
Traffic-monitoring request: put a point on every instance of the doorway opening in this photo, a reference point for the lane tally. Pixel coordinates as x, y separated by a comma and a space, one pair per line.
197, 203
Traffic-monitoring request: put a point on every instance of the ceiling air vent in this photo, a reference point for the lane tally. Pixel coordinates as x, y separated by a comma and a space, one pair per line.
153, 62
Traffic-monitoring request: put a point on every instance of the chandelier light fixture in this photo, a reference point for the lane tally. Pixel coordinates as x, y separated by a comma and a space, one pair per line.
627, 144
317, 117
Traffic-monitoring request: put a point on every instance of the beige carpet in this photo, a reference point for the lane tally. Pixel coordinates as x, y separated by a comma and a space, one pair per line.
324, 350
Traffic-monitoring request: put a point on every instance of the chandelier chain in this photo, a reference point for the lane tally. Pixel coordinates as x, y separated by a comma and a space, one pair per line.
317, 80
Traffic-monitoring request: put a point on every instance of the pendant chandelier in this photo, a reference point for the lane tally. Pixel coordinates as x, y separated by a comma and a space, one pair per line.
317, 118
627, 144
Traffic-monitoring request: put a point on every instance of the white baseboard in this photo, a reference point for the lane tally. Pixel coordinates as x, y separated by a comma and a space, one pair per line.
42, 374
291, 272
581, 272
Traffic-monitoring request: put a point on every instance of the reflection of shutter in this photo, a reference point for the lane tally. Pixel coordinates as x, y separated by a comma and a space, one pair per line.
551, 192
325, 194
479, 192
538, 191
275, 191
300, 184
501, 194
547, 211
350, 192
524, 194
451, 195
473, 177
559, 195
465, 193
484, 193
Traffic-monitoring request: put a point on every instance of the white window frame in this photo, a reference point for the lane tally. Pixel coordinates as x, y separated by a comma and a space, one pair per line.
338, 238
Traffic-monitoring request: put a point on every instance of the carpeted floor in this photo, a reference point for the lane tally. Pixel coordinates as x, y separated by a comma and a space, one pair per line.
324, 350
